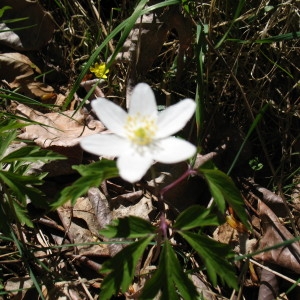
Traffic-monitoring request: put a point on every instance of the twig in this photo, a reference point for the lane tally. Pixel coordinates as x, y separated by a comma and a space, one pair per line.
275, 272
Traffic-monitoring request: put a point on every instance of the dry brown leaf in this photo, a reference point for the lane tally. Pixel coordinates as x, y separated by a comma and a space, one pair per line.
226, 234
18, 71
269, 286
82, 227
64, 129
39, 25
274, 233
17, 286
61, 134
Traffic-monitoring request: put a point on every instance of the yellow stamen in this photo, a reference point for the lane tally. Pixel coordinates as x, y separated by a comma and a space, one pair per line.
140, 129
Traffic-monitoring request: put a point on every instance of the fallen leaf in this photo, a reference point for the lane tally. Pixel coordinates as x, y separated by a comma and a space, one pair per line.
274, 232
269, 286
83, 227
61, 134
19, 72
33, 29
60, 130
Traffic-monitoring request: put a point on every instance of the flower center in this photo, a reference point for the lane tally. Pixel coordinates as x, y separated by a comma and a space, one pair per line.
140, 129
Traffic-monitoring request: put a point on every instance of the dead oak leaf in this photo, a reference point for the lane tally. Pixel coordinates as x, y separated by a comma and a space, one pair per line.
275, 233
60, 130
19, 73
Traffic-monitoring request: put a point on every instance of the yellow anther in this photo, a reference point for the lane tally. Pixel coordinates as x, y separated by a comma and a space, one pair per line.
140, 129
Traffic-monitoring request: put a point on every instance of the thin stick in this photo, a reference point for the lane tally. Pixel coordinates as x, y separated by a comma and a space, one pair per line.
276, 273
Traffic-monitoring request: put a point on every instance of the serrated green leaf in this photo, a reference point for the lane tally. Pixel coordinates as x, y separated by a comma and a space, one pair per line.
5, 140
121, 268
215, 257
223, 189
196, 216
92, 176
22, 185
21, 214
168, 278
32, 154
128, 227
101, 166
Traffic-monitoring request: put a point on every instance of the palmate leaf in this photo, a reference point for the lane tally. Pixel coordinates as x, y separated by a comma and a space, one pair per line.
195, 216
224, 190
121, 268
169, 279
128, 227
215, 257
92, 176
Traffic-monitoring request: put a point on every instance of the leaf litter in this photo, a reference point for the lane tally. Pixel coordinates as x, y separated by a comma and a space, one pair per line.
79, 224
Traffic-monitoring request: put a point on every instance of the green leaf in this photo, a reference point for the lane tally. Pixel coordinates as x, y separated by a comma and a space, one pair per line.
22, 185
223, 189
11, 95
129, 227
196, 216
32, 154
21, 214
215, 257
3, 9
9, 124
92, 176
121, 268
255, 164
5, 140
168, 278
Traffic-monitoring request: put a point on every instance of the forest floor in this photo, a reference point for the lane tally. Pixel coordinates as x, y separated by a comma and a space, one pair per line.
241, 65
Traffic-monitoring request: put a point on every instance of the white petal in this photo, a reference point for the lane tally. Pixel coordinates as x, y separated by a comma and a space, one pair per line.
110, 114
173, 150
174, 118
132, 168
105, 144
142, 101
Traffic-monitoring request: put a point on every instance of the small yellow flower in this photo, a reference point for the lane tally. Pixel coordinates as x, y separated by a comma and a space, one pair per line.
100, 70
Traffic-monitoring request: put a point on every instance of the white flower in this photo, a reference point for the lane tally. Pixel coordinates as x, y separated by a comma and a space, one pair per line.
142, 135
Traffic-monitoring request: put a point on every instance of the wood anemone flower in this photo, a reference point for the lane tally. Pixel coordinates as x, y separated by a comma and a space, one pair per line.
143, 135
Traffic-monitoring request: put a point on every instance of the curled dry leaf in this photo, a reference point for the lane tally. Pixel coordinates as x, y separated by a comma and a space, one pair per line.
269, 286
33, 29
18, 71
274, 233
